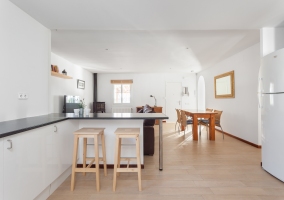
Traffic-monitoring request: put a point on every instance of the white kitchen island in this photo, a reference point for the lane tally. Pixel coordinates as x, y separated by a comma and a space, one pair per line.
37, 151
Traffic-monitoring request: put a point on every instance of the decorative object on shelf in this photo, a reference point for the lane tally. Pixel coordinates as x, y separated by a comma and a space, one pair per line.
54, 68
82, 105
155, 100
80, 84
64, 72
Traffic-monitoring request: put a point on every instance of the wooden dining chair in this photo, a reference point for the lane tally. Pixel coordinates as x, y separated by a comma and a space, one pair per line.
184, 120
201, 123
217, 121
178, 119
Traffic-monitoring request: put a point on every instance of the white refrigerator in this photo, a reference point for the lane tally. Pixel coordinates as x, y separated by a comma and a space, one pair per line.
272, 113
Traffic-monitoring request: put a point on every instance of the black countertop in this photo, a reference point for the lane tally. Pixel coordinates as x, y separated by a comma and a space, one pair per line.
20, 125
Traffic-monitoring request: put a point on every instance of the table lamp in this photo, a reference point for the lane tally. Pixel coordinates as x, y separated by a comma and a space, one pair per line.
155, 100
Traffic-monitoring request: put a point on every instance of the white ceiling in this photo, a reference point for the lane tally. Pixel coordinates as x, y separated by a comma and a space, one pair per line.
152, 35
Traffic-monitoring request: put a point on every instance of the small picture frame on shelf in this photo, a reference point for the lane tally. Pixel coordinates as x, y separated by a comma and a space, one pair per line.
80, 84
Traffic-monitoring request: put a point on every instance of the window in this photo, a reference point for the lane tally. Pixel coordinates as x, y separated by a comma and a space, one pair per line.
121, 93
121, 90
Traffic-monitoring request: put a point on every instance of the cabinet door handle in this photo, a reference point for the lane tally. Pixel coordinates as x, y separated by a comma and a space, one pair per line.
11, 144
55, 129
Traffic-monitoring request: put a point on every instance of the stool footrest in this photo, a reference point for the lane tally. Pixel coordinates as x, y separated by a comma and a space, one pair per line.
128, 159
128, 136
127, 170
91, 158
85, 169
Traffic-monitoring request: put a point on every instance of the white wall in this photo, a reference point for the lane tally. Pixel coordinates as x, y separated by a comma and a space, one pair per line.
25, 61
272, 39
145, 85
60, 87
201, 97
240, 114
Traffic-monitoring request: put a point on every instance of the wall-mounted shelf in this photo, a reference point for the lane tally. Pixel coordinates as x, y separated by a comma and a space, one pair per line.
60, 75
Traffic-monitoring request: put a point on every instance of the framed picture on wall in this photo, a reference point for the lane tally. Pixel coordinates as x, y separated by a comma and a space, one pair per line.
225, 85
80, 84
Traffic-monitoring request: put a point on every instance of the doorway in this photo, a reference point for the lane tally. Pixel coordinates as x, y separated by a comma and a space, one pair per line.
173, 99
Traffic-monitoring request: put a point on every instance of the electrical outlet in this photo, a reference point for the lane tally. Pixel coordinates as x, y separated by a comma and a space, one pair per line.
22, 96
25, 96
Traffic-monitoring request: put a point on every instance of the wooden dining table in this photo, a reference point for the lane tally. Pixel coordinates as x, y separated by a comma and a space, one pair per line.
195, 114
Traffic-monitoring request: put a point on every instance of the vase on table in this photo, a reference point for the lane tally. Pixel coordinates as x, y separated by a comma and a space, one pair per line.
87, 111
81, 111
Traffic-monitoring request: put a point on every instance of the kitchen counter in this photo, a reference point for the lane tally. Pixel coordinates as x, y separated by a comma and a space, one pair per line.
12, 127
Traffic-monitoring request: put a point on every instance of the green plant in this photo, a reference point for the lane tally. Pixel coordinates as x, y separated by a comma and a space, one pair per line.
82, 104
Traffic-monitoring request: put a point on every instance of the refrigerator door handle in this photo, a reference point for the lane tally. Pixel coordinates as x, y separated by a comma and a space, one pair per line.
259, 89
258, 98
272, 92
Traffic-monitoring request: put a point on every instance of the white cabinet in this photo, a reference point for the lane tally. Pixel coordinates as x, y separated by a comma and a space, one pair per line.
50, 155
23, 165
58, 149
65, 142
1, 169
32, 160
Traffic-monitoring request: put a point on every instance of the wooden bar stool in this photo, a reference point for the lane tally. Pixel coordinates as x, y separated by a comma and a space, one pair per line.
126, 133
89, 133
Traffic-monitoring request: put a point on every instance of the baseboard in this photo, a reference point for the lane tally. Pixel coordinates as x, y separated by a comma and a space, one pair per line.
44, 194
110, 166
54, 185
247, 142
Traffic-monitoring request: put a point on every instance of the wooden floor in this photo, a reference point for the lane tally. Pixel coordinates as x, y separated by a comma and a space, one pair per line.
221, 169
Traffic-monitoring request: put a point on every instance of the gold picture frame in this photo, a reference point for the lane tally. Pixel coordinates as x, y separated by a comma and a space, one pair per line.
224, 85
